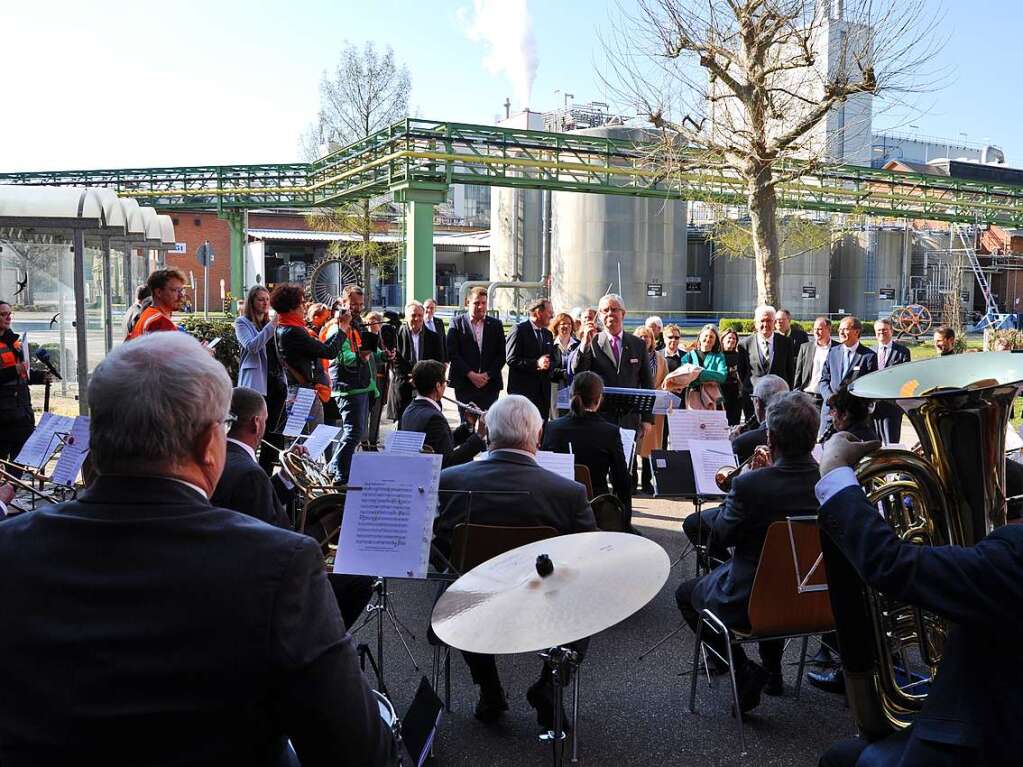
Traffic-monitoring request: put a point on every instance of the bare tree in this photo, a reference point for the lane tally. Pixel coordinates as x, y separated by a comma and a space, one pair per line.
367, 91
764, 91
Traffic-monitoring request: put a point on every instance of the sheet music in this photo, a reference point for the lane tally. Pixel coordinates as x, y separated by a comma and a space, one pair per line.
73, 454
564, 401
628, 443
562, 464
1013, 440
686, 425
708, 456
399, 441
388, 524
322, 436
666, 402
42, 443
299, 413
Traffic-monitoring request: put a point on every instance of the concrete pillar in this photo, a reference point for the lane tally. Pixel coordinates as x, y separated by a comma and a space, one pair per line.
420, 262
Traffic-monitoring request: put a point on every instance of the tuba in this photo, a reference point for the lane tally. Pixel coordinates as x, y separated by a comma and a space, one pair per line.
950, 492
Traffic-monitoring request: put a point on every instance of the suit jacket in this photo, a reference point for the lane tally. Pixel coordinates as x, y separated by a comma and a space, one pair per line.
804, 365
751, 363
522, 350
597, 445
976, 696
631, 371
465, 355
798, 337
423, 417
401, 392
863, 361
174, 633
438, 328
551, 500
757, 498
245, 487
898, 355
744, 445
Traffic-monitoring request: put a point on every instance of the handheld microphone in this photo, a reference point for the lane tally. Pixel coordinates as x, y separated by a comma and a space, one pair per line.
44, 356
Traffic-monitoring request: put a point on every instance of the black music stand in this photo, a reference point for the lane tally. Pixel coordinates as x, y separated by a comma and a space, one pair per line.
619, 401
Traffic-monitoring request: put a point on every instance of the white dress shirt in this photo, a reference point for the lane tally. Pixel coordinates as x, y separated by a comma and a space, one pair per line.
834, 482
884, 354
820, 356
766, 347
433, 402
416, 345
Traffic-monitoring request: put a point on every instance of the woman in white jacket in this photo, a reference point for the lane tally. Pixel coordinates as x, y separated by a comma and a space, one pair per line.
259, 367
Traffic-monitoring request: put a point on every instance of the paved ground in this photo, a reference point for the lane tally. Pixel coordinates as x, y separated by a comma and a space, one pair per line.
631, 712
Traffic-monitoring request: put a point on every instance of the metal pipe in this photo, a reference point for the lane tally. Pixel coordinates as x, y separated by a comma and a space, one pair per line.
463, 290
81, 328
108, 306
512, 284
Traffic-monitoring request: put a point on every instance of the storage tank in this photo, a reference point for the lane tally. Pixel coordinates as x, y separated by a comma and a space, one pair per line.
632, 246
699, 272
516, 242
870, 272
804, 284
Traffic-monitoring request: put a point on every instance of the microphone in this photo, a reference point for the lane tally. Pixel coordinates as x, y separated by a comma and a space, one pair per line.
44, 356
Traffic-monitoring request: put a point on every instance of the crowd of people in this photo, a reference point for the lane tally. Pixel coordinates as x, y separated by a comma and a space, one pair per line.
177, 611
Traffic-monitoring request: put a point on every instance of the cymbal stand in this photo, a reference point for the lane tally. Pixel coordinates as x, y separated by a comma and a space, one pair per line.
562, 661
381, 608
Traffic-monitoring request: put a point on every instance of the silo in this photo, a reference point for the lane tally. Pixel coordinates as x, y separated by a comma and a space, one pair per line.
870, 272
632, 246
699, 272
516, 242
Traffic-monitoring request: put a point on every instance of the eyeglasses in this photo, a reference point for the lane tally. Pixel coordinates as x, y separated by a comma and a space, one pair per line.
229, 422
674, 338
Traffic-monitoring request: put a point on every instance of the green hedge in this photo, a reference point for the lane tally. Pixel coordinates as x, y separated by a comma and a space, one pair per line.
742, 327
227, 352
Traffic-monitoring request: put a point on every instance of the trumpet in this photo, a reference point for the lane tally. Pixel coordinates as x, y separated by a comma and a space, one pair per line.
724, 476
468, 408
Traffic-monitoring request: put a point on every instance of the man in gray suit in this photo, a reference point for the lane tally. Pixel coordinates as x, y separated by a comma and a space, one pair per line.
888, 415
523, 494
619, 358
845, 363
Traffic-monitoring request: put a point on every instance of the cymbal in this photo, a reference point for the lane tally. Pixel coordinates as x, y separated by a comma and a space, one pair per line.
504, 606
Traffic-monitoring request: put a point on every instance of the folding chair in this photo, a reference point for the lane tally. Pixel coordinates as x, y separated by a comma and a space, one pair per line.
582, 476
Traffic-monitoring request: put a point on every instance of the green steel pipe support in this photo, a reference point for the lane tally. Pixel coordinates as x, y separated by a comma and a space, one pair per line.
236, 223
420, 263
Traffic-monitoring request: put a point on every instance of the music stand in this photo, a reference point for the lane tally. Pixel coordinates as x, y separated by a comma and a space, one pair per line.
619, 401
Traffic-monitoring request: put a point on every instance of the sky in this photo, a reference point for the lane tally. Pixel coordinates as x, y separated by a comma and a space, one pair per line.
92, 85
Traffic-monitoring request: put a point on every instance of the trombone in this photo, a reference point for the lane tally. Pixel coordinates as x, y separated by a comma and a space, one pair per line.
7, 476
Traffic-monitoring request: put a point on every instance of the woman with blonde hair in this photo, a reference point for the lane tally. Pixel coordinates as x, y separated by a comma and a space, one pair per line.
654, 436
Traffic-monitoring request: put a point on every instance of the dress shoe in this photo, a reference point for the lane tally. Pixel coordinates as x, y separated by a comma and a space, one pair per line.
492, 703
775, 685
822, 657
751, 683
829, 680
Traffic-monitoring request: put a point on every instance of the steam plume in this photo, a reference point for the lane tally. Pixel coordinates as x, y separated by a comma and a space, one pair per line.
506, 30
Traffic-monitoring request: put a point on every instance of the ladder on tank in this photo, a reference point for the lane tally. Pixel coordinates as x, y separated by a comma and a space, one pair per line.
992, 317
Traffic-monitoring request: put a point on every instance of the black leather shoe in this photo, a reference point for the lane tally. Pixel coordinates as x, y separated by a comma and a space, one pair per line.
751, 683
775, 685
541, 697
830, 680
492, 703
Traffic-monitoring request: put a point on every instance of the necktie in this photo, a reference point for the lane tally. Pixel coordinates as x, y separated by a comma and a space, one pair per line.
615, 350
767, 352
539, 337
884, 357
848, 362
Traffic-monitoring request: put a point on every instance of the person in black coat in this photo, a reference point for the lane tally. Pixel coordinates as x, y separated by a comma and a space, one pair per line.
763, 352
175, 632
17, 421
436, 324
731, 389
887, 414
529, 351
757, 498
527, 495
970, 716
811, 359
619, 358
594, 443
476, 351
783, 325
416, 342
425, 414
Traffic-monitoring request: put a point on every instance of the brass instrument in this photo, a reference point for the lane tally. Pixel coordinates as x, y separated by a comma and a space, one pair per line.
723, 477
7, 477
309, 477
952, 492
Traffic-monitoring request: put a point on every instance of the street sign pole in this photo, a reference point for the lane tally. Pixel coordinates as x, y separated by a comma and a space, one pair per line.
204, 254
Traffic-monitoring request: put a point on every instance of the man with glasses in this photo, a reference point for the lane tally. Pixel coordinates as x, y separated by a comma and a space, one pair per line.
672, 349
167, 288
177, 616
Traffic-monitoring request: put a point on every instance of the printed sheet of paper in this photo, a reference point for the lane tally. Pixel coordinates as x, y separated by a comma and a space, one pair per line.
709, 456
317, 442
628, 443
1013, 440
686, 425
562, 464
73, 454
399, 441
299, 413
666, 402
564, 398
388, 525
44, 440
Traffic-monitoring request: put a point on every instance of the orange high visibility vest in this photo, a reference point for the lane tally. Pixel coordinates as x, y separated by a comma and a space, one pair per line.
151, 320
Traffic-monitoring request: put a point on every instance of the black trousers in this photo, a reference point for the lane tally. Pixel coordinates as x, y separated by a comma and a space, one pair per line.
12, 439
770, 652
698, 531
483, 668
352, 593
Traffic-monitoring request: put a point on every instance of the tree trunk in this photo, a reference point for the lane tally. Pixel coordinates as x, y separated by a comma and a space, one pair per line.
763, 205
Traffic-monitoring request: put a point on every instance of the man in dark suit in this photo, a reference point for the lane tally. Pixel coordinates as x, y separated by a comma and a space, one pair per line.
528, 350
415, 342
971, 710
619, 358
783, 325
175, 632
763, 352
757, 498
527, 495
436, 324
425, 414
845, 363
888, 415
243, 485
811, 358
476, 352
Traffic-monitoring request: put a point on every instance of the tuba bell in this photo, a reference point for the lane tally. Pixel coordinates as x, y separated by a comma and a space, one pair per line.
950, 492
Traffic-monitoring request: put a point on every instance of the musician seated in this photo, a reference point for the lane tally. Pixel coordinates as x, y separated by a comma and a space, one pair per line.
425, 414
594, 443
852, 414
175, 632
744, 443
510, 488
969, 717
757, 498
